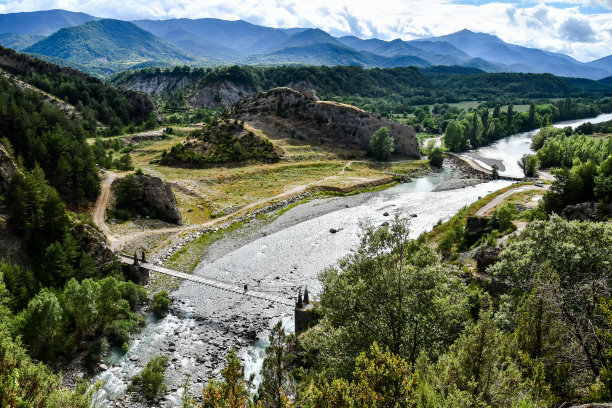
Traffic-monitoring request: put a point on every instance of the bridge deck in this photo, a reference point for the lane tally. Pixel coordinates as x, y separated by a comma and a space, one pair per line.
210, 282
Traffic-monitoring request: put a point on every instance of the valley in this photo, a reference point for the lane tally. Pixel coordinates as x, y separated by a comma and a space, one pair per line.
430, 216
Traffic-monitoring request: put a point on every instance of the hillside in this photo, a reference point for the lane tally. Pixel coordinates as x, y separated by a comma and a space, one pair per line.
301, 115
99, 102
382, 90
113, 44
19, 41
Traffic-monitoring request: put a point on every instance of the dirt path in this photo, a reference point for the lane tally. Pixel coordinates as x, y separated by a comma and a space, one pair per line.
293, 191
500, 198
100, 208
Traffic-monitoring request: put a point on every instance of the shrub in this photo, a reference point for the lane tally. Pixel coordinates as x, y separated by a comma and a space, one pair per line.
436, 157
150, 382
97, 350
161, 303
381, 144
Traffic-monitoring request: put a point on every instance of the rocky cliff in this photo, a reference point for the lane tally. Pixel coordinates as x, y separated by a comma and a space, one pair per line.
7, 169
93, 242
302, 115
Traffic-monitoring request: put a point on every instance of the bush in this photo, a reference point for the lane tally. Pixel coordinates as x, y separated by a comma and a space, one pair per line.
150, 382
161, 303
436, 157
97, 350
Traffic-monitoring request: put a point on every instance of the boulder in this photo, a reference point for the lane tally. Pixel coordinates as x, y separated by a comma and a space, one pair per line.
160, 199
475, 227
486, 257
588, 212
93, 242
103, 367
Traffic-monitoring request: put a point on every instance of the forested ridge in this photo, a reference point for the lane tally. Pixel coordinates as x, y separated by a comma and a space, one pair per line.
96, 101
381, 90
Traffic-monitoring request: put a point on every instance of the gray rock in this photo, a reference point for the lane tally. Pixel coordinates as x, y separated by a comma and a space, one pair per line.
333, 230
385, 214
103, 367
160, 199
7, 169
134, 357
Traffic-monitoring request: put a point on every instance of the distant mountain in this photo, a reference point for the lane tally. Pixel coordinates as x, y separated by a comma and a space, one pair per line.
19, 41
113, 44
108, 47
603, 63
237, 37
41, 22
607, 80
515, 58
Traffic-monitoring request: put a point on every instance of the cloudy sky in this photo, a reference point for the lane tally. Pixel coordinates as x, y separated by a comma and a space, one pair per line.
580, 28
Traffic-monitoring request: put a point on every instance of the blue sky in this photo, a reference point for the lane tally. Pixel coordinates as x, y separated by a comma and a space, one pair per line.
580, 28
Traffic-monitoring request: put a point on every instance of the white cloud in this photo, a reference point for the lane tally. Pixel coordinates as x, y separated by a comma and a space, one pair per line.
567, 29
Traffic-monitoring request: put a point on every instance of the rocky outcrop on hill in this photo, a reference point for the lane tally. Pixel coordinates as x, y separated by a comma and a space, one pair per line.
218, 94
159, 199
7, 169
94, 243
301, 115
588, 212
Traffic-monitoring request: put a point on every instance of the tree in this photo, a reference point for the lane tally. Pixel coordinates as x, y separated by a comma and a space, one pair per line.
509, 119
125, 162
529, 164
436, 157
453, 136
232, 391
80, 302
496, 111
495, 171
150, 381
43, 325
382, 379
381, 144
128, 193
161, 303
572, 275
531, 120
276, 377
394, 291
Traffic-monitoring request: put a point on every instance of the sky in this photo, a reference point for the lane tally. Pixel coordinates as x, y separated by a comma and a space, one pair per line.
580, 28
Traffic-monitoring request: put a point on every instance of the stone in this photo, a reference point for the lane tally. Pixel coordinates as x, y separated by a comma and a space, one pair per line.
7, 169
385, 214
93, 242
102, 367
171, 349
333, 230
413, 215
134, 357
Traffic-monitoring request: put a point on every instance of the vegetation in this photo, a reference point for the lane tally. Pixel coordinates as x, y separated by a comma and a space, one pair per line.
95, 101
221, 142
40, 134
161, 303
436, 157
381, 144
150, 381
582, 167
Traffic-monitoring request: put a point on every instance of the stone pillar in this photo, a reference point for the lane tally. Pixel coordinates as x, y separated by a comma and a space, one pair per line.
135, 259
143, 257
306, 299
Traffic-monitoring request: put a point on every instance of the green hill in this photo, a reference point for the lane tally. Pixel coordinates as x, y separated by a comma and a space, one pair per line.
109, 43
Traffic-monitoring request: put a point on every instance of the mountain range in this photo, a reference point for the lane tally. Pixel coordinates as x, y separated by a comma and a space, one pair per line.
104, 46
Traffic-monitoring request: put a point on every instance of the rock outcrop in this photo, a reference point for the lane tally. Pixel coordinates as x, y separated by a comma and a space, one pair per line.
159, 199
588, 212
300, 115
94, 243
7, 169
486, 257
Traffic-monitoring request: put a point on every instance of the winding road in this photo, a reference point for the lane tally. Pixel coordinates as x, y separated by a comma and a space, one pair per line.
500, 198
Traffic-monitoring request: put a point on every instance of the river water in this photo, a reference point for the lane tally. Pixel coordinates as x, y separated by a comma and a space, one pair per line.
205, 323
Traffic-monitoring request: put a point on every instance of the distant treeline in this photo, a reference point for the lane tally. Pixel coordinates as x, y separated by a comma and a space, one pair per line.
383, 90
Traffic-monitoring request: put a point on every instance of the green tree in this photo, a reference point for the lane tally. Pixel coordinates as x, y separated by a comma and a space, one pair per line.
381, 144
42, 326
529, 164
231, 392
277, 381
161, 303
150, 381
394, 291
436, 157
531, 119
495, 171
453, 136
125, 162
80, 303
129, 193
509, 119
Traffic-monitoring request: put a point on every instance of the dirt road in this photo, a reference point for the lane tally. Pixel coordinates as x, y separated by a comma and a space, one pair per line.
100, 208
500, 198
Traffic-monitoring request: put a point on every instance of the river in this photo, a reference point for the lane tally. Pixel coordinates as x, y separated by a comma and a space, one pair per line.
205, 324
